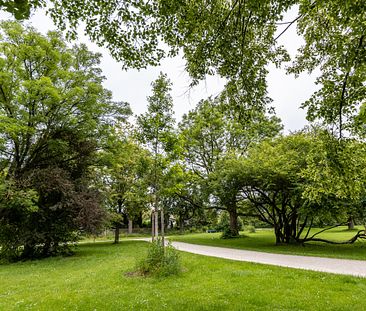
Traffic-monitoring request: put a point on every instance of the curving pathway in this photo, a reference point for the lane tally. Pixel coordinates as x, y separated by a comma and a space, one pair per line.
323, 264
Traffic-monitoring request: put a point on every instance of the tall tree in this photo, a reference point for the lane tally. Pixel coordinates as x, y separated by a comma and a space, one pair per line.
292, 180
54, 116
125, 175
155, 131
214, 131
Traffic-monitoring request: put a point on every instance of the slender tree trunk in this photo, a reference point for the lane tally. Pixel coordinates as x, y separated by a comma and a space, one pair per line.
130, 226
152, 226
139, 220
162, 226
287, 232
156, 213
116, 234
351, 223
116, 231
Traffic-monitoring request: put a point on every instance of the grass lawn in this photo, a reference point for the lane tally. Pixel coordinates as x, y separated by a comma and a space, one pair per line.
94, 279
264, 240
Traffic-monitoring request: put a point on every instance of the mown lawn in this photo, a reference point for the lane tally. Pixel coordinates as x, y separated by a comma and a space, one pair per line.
264, 240
94, 279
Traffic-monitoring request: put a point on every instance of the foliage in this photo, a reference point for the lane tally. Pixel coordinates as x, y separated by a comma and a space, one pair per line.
340, 53
161, 261
335, 168
213, 133
21, 9
155, 131
283, 180
250, 228
21, 204
224, 222
124, 178
270, 181
235, 39
56, 115
156, 126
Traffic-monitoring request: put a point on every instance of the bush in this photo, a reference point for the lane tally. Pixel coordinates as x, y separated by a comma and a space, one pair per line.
251, 229
223, 226
224, 223
160, 261
228, 234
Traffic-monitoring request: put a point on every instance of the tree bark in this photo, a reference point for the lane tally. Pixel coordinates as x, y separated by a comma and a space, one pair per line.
351, 223
156, 225
181, 225
279, 235
116, 234
162, 226
234, 228
130, 226
152, 226
139, 220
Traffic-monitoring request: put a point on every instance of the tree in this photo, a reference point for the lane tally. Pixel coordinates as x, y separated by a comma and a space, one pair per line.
55, 115
214, 131
235, 39
155, 131
21, 9
183, 196
292, 180
125, 179
206, 31
340, 52
270, 179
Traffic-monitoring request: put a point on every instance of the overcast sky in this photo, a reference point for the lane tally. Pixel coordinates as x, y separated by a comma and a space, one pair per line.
134, 86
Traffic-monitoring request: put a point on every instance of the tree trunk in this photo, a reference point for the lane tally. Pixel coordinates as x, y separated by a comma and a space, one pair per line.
351, 223
130, 224
279, 235
139, 220
162, 226
234, 228
152, 226
156, 213
116, 234
181, 225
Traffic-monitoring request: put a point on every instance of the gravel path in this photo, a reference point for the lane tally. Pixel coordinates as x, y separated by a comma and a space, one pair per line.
331, 265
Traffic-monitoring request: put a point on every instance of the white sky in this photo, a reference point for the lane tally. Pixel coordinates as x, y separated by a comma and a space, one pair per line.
134, 86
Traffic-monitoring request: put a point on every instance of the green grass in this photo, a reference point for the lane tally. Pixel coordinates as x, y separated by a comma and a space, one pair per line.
264, 240
94, 279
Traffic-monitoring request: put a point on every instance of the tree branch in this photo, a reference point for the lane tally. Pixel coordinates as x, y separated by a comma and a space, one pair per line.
288, 26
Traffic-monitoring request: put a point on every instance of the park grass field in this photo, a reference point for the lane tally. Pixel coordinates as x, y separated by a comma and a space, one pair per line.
95, 279
264, 240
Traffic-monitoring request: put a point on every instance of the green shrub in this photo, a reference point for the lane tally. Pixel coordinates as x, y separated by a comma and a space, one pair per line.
160, 261
228, 234
223, 224
251, 229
